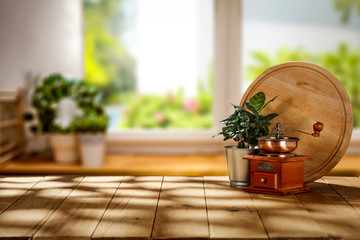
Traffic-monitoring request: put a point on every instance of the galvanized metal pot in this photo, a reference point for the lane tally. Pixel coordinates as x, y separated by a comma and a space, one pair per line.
238, 168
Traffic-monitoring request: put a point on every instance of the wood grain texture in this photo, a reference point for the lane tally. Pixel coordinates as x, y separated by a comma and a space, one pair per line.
23, 218
231, 212
154, 164
81, 212
181, 209
12, 188
8, 146
331, 211
134, 207
348, 188
9, 123
127, 164
308, 93
284, 217
131, 212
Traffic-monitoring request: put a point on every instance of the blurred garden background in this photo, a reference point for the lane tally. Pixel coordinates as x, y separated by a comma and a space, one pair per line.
153, 60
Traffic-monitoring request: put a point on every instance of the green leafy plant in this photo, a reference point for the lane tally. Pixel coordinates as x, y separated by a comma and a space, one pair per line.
53, 89
62, 130
91, 123
108, 63
245, 125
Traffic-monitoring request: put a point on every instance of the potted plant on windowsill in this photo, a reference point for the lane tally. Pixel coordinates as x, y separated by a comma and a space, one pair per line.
45, 101
91, 128
244, 126
56, 102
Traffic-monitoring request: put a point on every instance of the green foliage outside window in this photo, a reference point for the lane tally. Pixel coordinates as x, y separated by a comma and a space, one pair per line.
171, 111
346, 8
111, 67
344, 63
108, 64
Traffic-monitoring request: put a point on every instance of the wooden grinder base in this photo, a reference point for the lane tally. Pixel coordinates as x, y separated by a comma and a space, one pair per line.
278, 192
277, 175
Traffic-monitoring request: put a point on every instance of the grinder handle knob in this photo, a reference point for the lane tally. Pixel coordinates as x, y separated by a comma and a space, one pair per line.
318, 126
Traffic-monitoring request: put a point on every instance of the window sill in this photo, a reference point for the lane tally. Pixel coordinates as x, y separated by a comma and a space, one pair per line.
159, 141
188, 141
354, 146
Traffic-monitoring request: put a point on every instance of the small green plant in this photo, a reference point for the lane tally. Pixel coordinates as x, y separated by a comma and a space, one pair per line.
245, 125
91, 123
53, 89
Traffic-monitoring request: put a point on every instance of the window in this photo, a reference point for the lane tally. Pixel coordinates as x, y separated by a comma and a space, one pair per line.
153, 61
323, 32
249, 36
222, 25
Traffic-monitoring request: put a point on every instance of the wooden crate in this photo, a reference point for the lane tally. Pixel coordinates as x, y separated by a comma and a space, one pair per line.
11, 124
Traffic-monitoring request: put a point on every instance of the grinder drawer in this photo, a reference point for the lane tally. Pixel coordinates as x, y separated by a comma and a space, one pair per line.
265, 180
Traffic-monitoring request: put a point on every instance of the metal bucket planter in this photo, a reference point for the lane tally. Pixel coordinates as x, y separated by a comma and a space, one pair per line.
238, 168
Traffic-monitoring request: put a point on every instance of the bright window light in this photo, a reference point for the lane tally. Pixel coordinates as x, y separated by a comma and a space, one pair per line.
153, 60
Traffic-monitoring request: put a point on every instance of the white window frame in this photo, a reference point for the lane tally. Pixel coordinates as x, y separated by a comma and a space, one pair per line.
227, 89
354, 146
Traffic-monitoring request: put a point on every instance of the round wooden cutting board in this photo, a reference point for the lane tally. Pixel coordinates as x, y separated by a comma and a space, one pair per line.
308, 93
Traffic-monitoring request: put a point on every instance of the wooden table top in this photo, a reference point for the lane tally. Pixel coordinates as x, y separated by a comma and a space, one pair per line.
155, 207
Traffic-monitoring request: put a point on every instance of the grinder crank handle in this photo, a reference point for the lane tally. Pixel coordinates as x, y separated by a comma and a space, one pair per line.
318, 127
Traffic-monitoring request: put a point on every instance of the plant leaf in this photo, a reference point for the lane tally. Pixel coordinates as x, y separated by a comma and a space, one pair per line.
252, 109
270, 117
257, 101
237, 107
267, 104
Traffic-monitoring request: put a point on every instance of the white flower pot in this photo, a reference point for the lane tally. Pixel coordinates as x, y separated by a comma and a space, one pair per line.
65, 148
92, 148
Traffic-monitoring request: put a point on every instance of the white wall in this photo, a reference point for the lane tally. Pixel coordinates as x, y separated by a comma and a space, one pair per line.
39, 37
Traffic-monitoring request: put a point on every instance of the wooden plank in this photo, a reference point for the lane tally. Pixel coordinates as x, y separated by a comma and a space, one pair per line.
284, 217
181, 209
8, 94
331, 211
23, 218
131, 212
8, 146
9, 123
81, 212
348, 188
231, 212
12, 188
7, 100
126, 164
9, 155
